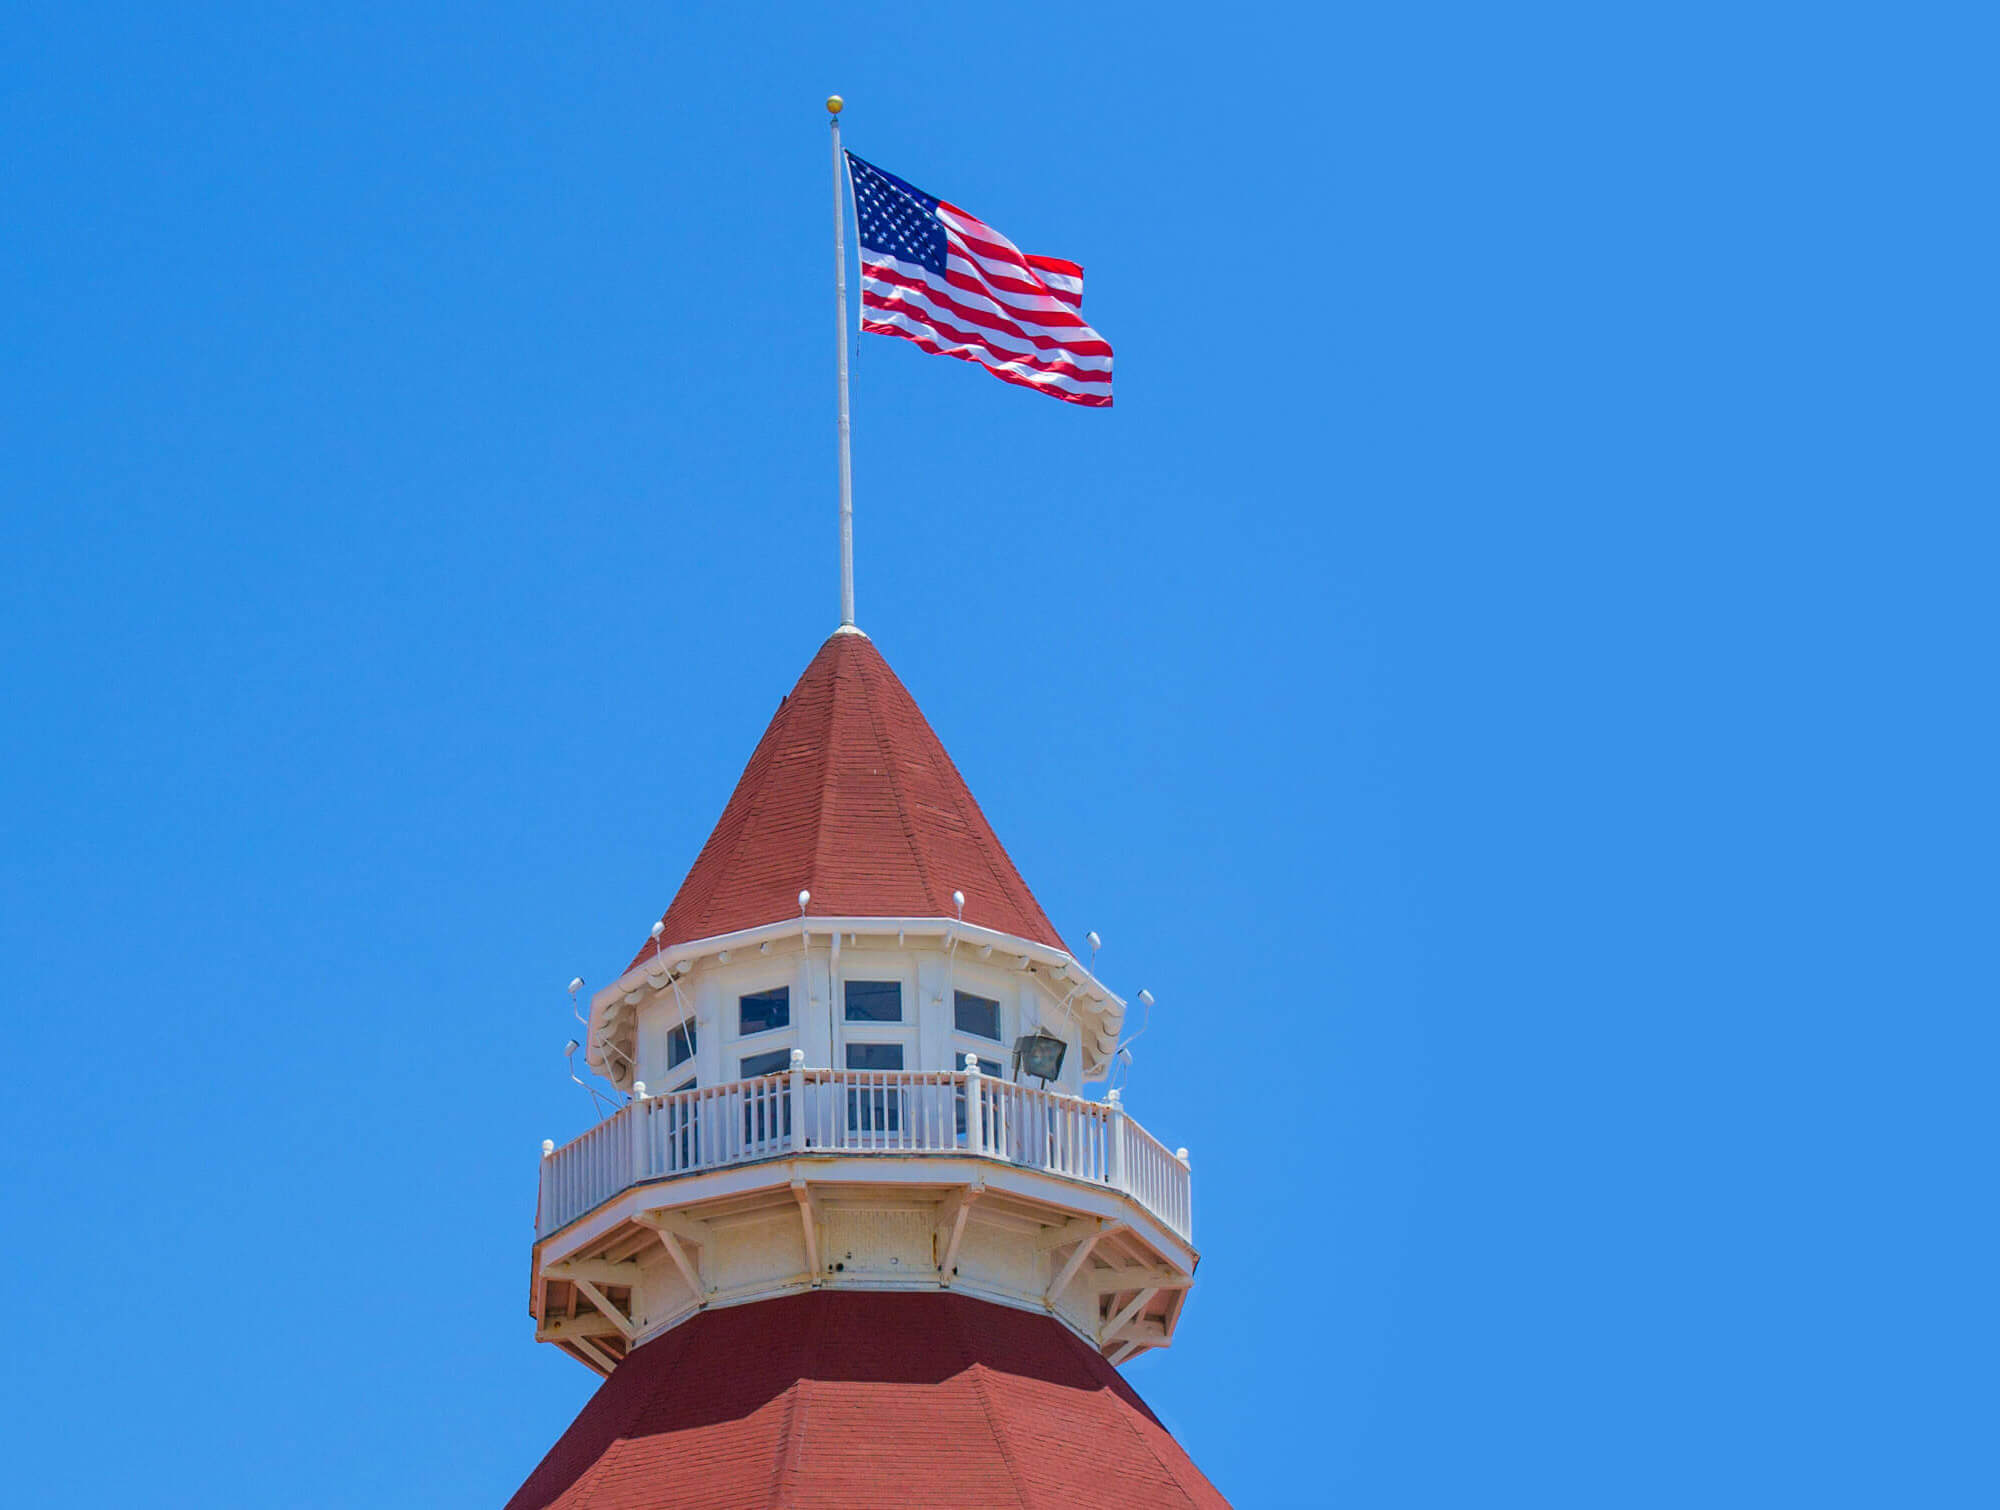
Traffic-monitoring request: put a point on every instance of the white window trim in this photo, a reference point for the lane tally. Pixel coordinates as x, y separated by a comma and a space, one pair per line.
757, 1052
1001, 1008
903, 1033
674, 1035
737, 1035
904, 995
906, 1041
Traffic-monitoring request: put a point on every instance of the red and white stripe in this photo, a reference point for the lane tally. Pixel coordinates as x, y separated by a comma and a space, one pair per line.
1014, 314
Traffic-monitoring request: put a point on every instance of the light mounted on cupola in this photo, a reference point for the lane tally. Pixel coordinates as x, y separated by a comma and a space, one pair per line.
1040, 1054
597, 1102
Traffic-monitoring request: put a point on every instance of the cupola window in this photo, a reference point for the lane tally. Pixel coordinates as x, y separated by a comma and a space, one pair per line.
680, 1044
774, 1063
765, 1011
874, 1001
874, 1056
977, 1015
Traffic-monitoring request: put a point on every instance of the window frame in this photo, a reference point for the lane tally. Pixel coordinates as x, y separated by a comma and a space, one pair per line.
685, 1033
787, 1026
999, 1017
902, 1056
847, 1017
783, 1056
887, 970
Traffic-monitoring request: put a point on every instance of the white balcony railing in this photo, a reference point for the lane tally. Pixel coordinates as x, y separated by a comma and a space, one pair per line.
850, 1112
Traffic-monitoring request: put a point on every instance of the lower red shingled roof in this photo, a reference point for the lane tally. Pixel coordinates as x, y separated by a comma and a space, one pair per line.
843, 1397
851, 796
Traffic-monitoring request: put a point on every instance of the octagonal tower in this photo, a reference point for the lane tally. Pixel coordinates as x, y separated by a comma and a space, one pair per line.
857, 1185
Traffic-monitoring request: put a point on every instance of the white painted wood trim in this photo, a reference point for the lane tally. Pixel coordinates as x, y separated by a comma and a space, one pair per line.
596, 1297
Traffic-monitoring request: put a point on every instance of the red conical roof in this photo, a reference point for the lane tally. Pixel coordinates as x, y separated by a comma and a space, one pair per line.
849, 795
844, 1397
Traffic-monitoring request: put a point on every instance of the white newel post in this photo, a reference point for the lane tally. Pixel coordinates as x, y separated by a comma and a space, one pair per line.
1116, 1163
635, 1110
975, 1106
1187, 1191
798, 1107
545, 1196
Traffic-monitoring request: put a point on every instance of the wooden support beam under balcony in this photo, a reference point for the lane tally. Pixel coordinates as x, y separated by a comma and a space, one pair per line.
1110, 1281
686, 1228
1116, 1325
670, 1240
1138, 1337
568, 1328
596, 1270
1078, 1256
809, 1218
950, 1229
1068, 1232
626, 1326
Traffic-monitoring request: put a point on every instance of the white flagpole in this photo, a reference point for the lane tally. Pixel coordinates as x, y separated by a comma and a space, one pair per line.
834, 105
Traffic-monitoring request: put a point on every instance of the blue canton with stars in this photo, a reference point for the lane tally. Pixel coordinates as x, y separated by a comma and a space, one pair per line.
896, 218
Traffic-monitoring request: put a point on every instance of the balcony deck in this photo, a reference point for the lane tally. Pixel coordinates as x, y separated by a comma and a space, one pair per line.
850, 1113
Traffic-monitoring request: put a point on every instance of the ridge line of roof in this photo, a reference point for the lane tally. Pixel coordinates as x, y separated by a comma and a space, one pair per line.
784, 1474
924, 878
1104, 1407
825, 756
977, 1370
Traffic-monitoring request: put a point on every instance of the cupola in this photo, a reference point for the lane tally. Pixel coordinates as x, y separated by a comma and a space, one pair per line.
852, 902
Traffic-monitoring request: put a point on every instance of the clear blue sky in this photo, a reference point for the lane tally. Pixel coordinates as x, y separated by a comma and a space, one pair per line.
1514, 675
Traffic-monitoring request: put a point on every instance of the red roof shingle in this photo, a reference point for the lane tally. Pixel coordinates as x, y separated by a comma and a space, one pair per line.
865, 1398
850, 795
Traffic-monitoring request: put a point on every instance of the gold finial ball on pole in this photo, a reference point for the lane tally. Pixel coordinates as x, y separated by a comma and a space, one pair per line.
835, 104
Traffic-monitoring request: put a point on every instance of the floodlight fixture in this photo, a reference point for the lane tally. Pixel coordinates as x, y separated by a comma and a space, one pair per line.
1040, 1054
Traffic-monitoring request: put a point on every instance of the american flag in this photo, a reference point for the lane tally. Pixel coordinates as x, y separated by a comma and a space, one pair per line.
933, 274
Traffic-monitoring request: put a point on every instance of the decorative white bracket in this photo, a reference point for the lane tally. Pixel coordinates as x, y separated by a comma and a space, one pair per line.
1133, 1307
809, 1218
569, 1328
950, 1229
1078, 1255
1109, 1281
596, 1297
1068, 1232
671, 1227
